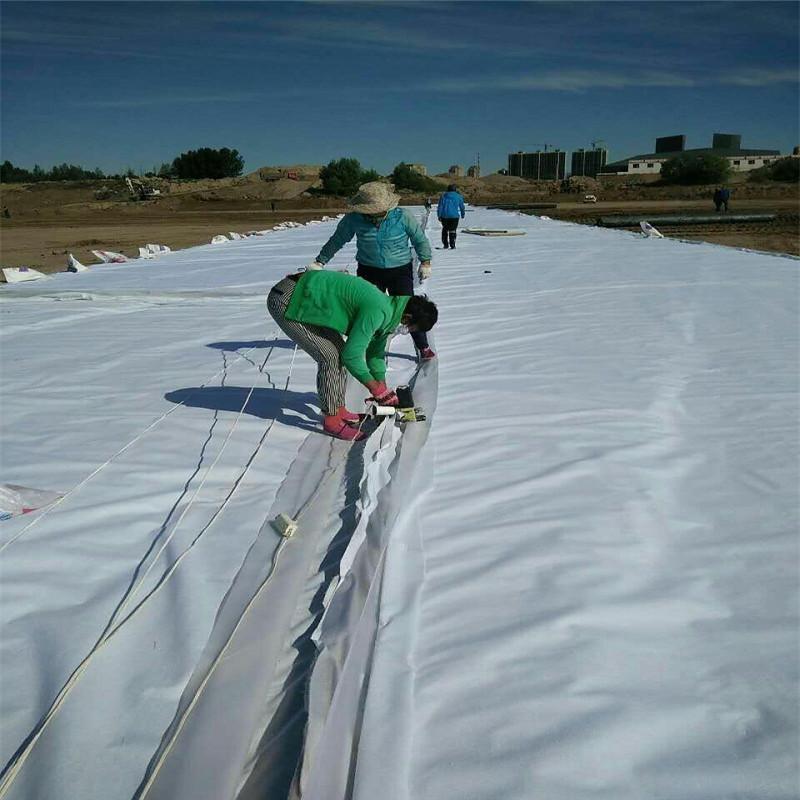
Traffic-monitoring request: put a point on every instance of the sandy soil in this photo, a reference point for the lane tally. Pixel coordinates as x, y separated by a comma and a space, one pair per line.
44, 244
49, 220
780, 236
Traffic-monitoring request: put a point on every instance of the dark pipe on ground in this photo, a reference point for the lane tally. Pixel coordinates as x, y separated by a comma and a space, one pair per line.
715, 219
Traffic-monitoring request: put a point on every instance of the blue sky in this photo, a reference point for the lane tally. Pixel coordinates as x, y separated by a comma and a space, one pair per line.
121, 84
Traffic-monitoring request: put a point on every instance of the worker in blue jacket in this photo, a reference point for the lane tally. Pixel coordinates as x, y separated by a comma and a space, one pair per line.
383, 232
451, 206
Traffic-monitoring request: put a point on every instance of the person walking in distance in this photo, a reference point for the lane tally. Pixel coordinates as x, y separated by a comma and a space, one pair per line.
451, 206
343, 323
383, 233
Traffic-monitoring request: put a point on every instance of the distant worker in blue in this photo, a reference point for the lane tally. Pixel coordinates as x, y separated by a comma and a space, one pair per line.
721, 198
450, 208
383, 232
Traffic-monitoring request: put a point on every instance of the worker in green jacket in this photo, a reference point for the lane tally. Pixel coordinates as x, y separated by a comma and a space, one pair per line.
343, 322
383, 232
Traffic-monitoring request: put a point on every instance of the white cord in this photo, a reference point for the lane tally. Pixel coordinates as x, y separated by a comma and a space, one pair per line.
19, 762
190, 707
133, 441
195, 699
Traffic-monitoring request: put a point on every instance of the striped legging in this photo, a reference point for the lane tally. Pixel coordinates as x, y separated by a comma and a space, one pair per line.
324, 345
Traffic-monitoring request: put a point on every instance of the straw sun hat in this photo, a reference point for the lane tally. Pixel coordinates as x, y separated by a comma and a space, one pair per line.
375, 197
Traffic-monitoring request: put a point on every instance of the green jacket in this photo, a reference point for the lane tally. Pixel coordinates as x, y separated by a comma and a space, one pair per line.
355, 308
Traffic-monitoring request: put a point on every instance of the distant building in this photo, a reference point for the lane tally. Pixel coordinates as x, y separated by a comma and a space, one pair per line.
474, 171
538, 166
455, 171
727, 145
421, 169
589, 162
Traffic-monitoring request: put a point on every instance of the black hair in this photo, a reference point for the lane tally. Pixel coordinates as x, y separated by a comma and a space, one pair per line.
452, 188
423, 312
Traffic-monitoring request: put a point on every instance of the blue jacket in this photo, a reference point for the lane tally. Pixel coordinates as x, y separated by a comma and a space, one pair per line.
383, 246
451, 204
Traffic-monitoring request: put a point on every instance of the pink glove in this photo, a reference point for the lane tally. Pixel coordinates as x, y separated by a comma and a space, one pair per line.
381, 393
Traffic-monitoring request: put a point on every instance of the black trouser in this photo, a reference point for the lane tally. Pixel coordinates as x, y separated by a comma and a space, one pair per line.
449, 225
396, 282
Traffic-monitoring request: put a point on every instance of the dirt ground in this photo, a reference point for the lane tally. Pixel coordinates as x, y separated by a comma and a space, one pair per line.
43, 222
44, 243
780, 236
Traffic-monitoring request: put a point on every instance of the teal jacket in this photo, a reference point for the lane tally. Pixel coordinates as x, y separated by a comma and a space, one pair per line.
385, 245
354, 308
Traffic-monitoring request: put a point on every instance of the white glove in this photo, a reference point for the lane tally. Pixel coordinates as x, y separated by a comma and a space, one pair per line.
315, 265
424, 271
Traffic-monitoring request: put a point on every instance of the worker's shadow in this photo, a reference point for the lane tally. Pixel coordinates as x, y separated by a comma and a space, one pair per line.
291, 408
286, 344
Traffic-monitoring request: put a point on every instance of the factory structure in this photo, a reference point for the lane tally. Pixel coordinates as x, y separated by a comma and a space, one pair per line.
726, 145
547, 166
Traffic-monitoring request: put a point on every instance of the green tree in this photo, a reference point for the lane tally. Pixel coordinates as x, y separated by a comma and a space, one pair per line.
696, 169
11, 174
784, 169
63, 172
208, 163
344, 176
404, 177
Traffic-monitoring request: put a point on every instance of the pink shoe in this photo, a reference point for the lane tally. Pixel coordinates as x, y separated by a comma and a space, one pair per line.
341, 429
349, 416
427, 354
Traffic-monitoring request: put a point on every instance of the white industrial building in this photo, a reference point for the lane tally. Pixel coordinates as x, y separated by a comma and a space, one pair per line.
727, 146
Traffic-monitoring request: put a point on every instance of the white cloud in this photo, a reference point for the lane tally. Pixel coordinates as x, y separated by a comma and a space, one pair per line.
583, 80
760, 77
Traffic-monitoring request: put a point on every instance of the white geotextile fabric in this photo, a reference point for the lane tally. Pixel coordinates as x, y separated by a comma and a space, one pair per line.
608, 602
595, 597
120, 387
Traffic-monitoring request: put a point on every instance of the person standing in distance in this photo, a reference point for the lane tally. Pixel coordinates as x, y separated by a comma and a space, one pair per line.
383, 232
451, 206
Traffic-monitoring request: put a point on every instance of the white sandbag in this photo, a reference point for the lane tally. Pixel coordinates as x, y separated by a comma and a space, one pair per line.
145, 253
15, 500
109, 256
235, 235
220, 238
650, 230
73, 265
22, 274
158, 249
